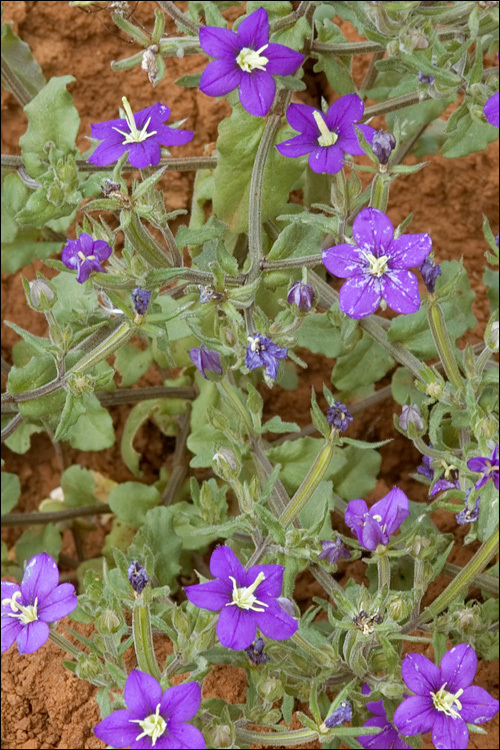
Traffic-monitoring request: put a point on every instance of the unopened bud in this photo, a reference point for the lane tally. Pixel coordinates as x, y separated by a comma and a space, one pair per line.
225, 465
220, 736
137, 576
42, 295
108, 622
491, 336
411, 415
399, 607
88, 667
149, 63
271, 689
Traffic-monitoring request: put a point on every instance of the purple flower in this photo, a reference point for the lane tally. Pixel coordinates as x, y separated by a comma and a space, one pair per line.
85, 255
487, 466
377, 266
140, 298
333, 551
430, 271
375, 526
137, 576
326, 137
206, 360
383, 144
388, 737
468, 515
411, 414
302, 295
27, 609
339, 416
341, 714
255, 652
425, 78
444, 702
425, 468
140, 135
491, 110
246, 60
448, 481
153, 719
262, 352
246, 599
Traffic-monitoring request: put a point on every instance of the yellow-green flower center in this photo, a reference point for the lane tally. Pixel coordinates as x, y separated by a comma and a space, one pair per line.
250, 59
84, 257
378, 266
328, 137
446, 702
153, 726
24, 614
244, 598
134, 135
255, 343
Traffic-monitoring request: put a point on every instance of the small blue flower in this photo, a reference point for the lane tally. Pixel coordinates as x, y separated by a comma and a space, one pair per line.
383, 144
206, 360
375, 525
468, 515
333, 551
255, 652
85, 255
341, 714
425, 468
140, 298
262, 352
339, 416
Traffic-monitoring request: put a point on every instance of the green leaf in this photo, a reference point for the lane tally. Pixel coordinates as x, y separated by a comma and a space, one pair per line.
11, 491
358, 474
132, 363
404, 390
20, 60
367, 363
131, 501
467, 134
488, 511
275, 8
78, 487
157, 536
276, 424
189, 81
337, 68
43, 126
297, 240
94, 429
36, 540
237, 144
20, 440
296, 457
212, 230
413, 330
319, 336
316, 514
490, 280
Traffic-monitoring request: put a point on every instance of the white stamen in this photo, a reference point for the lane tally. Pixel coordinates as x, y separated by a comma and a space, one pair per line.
250, 59
444, 702
134, 135
328, 137
255, 343
378, 266
153, 726
25, 614
244, 598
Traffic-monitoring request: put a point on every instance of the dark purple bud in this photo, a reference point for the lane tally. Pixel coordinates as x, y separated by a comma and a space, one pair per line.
301, 295
366, 690
423, 78
137, 576
333, 551
468, 515
383, 145
206, 360
140, 298
207, 294
425, 468
430, 271
341, 714
339, 416
411, 414
255, 652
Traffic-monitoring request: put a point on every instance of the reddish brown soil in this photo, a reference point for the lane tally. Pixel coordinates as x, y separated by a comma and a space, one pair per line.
44, 706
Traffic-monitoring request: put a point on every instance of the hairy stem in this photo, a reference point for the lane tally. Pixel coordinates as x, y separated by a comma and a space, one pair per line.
443, 344
143, 640
179, 17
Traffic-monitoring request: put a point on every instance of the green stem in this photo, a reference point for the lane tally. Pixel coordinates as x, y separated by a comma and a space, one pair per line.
308, 486
317, 654
30, 519
114, 341
144, 244
143, 640
11, 427
66, 645
179, 17
238, 404
431, 452
346, 48
326, 580
12, 83
442, 341
295, 738
305, 261
384, 571
485, 553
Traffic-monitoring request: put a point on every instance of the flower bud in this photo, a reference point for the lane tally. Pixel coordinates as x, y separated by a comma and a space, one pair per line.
399, 606
423, 78
137, 576
108, 622
341, 714
430, 271
88, 667
491, 336
79, 384
383, 145
271, 689
220, 736
301, 295
333, 551
411, 415
149, 63
339, 416
225, 465
42, 295
140, 298
255, 652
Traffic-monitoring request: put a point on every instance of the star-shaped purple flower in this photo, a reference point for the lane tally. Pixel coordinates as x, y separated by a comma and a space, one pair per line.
262, 352
153, 718
85, 255
377, 266
487, 466
444, 702
388, 737
246, 599
326, 137
339, 416
206, 360
247, 61
374, 526
491, 110
40, 599
139, 134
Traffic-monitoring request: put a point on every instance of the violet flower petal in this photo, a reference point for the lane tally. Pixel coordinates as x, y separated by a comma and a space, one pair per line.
181, 701
59, 603
117, 730
392, 509
400, 291
491, 110
108, 129
458, 667
144, 154
344, 112
477, 464
218, 42
32, 637
299, 145
173, 136
385, 740
410, 250
220, 77
224, 563
373, 231
420, 674
253, 31
236, 628
344, 261
142, 693
415, 715
107, 152
8, 590
360, 296
301, 118
354, 515
329, 160
11, 627
181, 737
257, 90
376, 707
41, 575
477, 705
449, 733
101, 250
371, 535
443, 484
274, 622
272, 583
212, 595
283, 61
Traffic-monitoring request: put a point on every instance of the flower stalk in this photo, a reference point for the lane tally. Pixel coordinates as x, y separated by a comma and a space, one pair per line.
143, 639
308, 486
442, 341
